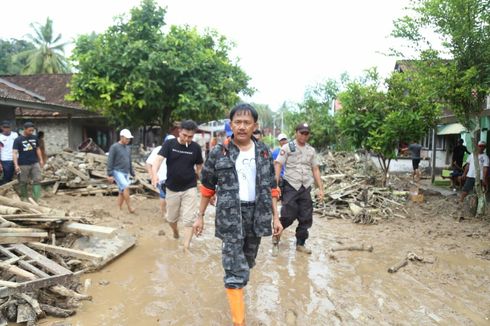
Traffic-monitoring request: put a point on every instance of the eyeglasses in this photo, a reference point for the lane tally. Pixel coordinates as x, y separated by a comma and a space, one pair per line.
305, 133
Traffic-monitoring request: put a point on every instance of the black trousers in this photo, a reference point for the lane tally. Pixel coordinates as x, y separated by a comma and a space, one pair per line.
297, 205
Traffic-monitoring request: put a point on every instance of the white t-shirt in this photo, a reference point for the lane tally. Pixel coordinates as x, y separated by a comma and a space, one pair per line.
247, 172
162, 171
484, 162
7, 145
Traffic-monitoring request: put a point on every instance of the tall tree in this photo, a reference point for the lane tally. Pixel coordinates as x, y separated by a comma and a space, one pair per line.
378, 115
462, 28
136, 74
48, 55
8, 50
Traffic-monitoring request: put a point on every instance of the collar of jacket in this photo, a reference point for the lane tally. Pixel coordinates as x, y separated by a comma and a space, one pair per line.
233, 150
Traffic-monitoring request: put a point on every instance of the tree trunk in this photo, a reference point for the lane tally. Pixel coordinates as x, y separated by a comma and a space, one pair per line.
164, 122
482, 200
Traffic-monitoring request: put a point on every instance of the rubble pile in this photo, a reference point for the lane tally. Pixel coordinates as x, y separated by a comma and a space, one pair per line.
353, 190
80, 173
43, 252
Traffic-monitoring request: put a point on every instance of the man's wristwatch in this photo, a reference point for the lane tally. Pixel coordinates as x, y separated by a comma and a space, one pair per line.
200, 214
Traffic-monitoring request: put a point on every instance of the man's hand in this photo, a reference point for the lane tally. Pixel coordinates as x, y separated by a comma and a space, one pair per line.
17, 169
276, 226
154, 181
110, 179
1, 168
198, 226
41, 164
320, 195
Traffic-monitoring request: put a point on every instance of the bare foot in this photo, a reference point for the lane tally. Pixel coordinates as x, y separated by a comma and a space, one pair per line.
132, 211
176, 234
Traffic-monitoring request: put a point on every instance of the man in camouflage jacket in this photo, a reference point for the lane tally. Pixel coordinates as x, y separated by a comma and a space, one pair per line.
240, 224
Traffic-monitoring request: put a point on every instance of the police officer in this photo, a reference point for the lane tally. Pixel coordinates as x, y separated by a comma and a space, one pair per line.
241, 174
302, 169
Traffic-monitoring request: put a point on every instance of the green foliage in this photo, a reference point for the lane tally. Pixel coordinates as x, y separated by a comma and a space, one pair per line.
48, 54
136, 74
463, 28
379, 120
8, 50
315, 110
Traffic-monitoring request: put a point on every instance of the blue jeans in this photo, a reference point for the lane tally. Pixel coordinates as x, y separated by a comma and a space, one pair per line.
8, 171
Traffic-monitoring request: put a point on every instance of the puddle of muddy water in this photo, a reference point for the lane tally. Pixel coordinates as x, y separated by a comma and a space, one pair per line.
156, 284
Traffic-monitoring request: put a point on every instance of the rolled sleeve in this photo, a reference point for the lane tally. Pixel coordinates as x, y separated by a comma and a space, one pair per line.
282, 157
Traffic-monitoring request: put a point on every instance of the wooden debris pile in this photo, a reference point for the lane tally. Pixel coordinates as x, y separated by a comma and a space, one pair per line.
353, 191
82, 174
43, 252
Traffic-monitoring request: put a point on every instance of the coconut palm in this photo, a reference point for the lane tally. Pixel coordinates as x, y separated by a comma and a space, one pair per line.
48, 56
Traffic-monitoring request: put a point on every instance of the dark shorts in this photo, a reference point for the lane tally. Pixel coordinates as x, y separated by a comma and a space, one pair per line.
415, 163
469, 185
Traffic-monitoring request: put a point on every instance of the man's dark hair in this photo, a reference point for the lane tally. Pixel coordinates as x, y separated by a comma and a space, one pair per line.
28, 125
244, 107
257, 132
188, 125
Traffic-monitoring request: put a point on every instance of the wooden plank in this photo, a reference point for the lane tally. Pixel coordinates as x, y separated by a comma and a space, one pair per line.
24, 234
8, 185
55, 187
17, 229
76, 172
147, 185
23, 205
12, 240
87, 229
22, 263
98, 174
40, 259
36, 284
7, 216
65, 251
8, 284
97, 157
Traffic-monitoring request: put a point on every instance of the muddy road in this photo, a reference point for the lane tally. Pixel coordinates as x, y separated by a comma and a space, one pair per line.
156, 284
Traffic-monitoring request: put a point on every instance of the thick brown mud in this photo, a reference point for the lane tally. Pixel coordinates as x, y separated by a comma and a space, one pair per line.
157, 284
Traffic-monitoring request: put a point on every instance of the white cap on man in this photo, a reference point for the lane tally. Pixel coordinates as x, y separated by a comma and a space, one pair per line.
126, 133
282, 137
482, 143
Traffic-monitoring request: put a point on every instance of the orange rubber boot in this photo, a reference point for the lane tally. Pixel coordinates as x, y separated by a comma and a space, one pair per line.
237, 306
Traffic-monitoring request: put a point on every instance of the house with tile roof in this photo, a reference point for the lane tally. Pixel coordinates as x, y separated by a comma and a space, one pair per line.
41, 99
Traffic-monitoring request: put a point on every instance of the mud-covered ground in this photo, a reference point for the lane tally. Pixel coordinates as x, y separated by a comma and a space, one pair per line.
156, 284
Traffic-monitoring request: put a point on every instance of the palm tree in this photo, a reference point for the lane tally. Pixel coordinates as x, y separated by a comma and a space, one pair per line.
48, 56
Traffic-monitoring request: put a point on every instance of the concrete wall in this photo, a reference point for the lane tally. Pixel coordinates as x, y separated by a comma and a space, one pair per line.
405, 164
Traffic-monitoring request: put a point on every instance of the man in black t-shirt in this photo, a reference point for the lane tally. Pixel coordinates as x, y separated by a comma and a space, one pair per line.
28, 161
184, 161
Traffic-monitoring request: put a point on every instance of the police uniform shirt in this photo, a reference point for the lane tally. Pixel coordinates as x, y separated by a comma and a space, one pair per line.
299, 164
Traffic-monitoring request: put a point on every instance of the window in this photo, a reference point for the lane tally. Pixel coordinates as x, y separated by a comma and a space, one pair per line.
440, 142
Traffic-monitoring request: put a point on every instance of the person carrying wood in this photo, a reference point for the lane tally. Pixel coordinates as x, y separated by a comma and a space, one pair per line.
119, 168
7, 138
184, 162
302, 170
241, 174
28, 162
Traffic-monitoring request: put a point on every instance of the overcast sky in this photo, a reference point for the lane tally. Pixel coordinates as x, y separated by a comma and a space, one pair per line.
284, 46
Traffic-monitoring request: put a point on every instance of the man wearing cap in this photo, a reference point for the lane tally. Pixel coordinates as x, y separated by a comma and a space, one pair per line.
469, 173
119, 167
301, 164
28, 162
7, 138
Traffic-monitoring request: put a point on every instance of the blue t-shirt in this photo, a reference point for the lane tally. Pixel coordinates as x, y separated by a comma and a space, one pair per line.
26, 146
275, 154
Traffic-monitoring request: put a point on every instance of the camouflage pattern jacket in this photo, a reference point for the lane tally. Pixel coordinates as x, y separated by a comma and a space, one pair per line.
219, 176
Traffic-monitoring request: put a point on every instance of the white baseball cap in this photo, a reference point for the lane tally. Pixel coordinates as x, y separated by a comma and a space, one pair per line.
281, 137
126, 133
